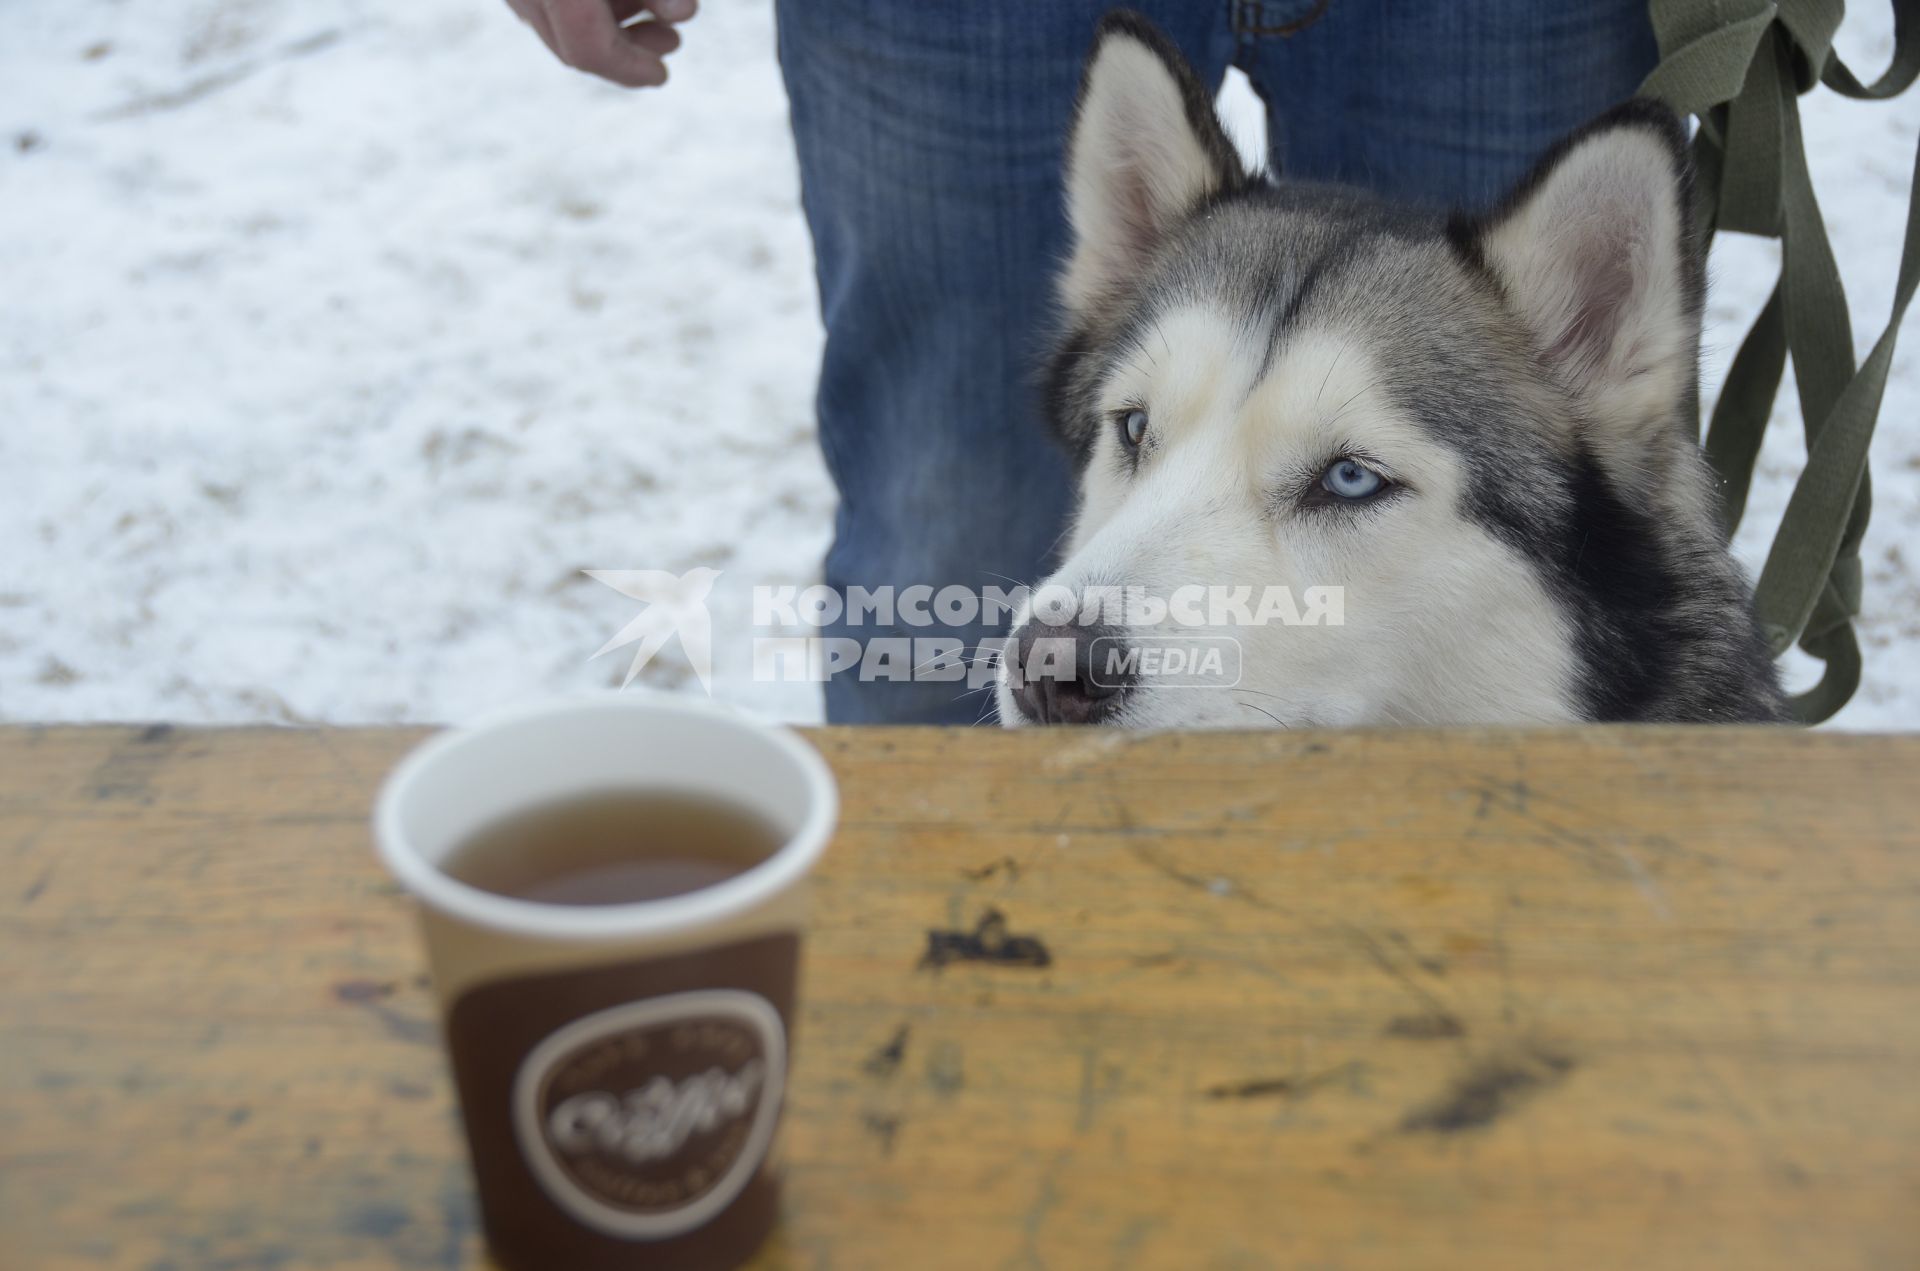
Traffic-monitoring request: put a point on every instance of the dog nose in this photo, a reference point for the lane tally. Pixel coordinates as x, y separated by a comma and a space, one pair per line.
1055, 679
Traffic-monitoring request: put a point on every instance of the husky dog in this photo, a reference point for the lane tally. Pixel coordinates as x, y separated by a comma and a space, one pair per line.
1480, 430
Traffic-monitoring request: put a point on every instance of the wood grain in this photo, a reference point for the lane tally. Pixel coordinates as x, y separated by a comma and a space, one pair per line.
1597, 998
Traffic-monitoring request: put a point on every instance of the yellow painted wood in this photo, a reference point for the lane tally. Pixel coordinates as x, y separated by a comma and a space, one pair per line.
1596, 998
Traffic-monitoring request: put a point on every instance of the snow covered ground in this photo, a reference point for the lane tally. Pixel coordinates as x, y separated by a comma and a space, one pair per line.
337, 340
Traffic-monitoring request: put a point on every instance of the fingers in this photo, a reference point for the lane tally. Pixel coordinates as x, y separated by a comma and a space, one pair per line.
589, 35
668, 11
649, 23
588, 38
655, 37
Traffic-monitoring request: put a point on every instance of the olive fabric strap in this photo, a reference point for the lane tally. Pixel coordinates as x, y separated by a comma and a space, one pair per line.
1740, 67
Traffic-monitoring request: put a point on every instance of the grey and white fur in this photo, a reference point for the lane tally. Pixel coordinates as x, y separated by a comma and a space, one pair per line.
1241, 359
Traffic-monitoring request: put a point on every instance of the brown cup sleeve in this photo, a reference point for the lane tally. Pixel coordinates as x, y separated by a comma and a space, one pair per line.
622, 1114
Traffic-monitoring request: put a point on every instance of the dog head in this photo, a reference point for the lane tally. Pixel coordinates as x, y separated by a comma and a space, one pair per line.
1443, 456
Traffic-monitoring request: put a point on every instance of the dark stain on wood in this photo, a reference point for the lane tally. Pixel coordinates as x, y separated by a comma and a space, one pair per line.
126, 774
989, 942
377, 1221
1488, 1091
37, 888
358, 991
883, 1127
1005, 865
1289, 1087
885, 1060
458, 1218
407, 1028
946, 1068
373, 995
1427, 1026
1257, 1089
1431, 965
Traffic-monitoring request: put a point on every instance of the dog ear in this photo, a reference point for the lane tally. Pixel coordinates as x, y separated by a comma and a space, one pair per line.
1595, 251
1146, 148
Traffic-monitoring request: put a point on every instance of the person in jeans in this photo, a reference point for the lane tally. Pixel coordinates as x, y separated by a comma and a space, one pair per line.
930, 140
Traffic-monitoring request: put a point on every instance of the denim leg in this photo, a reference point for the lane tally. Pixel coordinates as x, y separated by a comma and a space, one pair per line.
1445, 102
930, 139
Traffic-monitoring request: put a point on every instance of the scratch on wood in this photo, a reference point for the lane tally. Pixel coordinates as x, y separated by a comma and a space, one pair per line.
1374, 949
1005, 865
883, 1127
1091, 749
1093, 1091
37, 888
1046, 1196
1599, 853
885, 1060
1377, 954
1644, 883
1225, 888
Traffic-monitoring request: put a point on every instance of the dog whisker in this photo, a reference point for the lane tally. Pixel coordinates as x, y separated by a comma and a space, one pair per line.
1330, 369
1258, 711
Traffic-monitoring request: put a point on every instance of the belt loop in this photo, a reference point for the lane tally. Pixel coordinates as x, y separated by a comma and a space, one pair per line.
1250, 18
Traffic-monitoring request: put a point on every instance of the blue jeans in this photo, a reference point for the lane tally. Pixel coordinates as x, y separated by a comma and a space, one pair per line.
930, 136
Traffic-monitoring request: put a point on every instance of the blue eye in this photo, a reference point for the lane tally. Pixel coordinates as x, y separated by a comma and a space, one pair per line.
1134, 426
1351, 479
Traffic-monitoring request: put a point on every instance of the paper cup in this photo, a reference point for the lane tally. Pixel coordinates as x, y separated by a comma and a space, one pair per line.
620, 1067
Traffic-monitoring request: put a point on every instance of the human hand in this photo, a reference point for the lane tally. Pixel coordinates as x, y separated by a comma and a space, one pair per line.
588, 35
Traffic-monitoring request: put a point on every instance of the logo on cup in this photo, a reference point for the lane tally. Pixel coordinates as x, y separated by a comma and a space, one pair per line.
645, 1120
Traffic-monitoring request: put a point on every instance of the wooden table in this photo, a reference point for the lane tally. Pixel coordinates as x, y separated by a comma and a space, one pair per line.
1600, 998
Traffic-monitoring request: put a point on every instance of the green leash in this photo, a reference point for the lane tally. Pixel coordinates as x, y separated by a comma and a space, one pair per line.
1740, 67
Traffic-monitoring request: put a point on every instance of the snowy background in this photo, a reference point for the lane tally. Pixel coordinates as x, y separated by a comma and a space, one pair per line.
336, 340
